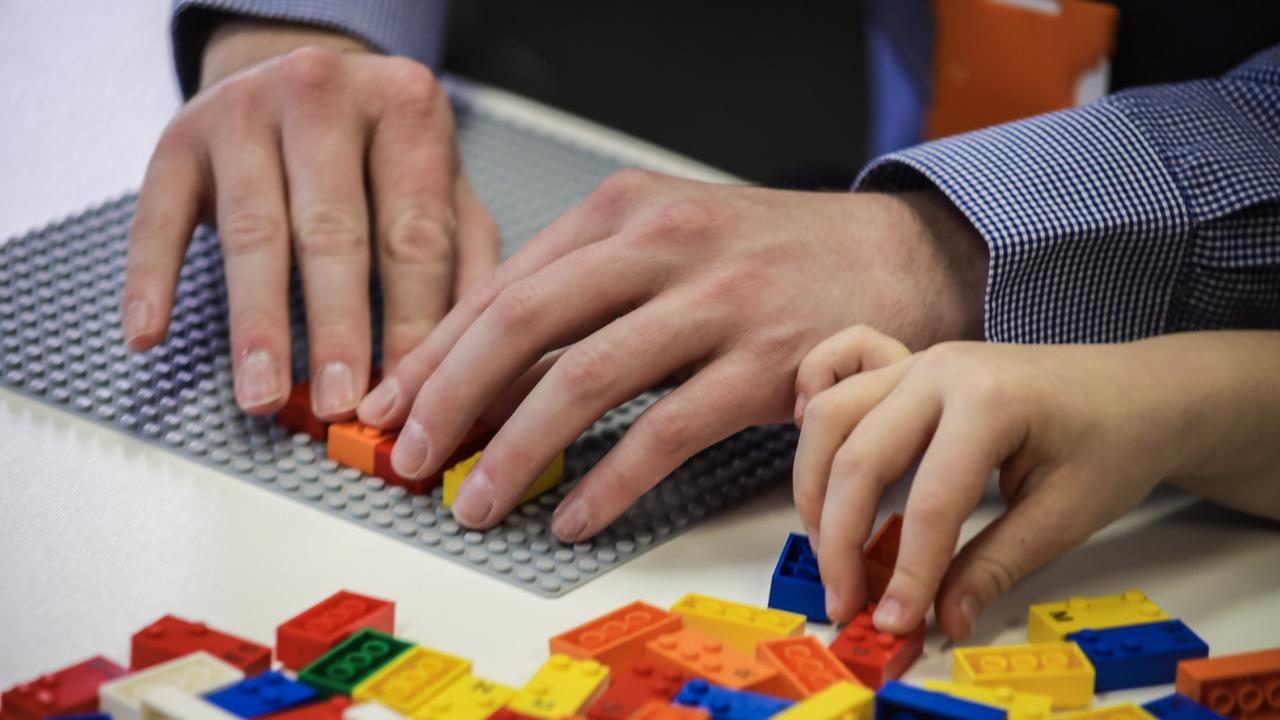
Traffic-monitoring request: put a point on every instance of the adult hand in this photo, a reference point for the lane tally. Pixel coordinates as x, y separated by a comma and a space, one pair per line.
652, 276
304, 139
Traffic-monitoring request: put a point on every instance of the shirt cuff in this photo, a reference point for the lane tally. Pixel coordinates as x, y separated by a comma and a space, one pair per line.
413, 28
1084, 226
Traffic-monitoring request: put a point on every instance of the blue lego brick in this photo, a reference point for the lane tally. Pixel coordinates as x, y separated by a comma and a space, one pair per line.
796, 585
261, 695
896, 701
1180, 707
1133, 656
725, 704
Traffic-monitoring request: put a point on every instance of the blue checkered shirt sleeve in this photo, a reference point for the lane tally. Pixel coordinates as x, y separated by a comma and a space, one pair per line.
1154, 210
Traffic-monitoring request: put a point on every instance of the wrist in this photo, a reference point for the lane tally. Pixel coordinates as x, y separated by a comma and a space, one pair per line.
238, 43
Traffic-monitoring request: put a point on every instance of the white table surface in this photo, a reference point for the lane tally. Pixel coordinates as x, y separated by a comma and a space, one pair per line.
100, 534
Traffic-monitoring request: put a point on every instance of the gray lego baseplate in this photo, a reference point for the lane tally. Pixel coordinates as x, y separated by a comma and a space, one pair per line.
62, 345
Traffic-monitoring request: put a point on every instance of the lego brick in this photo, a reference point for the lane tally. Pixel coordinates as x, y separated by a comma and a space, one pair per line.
328, 709
316, 630
796, 585
469, 698
548, 479
841, 700
728, 704
875, 657
172, 637
264, 694
170, 703
353, 661
83, 716
881, 555
413, 678
506, 713
1019, 705
1179, 707
804, 665
370, 710
737, 625
1133, 656
562, 686
1053, 622
1059, 670
473, 442
296, 414
1245, 686
630, 688
658, 710
699, 655
896, 701
71, 690
1123, 711
617, 639
194, 674
352, 444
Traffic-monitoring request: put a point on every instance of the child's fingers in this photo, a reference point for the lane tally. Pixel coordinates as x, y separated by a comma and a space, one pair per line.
849, 351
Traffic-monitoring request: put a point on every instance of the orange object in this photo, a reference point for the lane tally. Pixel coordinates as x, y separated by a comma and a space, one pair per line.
1244, 686
658, 710
804, 665
996, 61
875, 657
353, 444
617, 639
474, 441
297, 416
702, 656
881, 555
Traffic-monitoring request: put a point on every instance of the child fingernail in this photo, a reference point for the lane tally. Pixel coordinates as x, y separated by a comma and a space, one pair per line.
334, 389
888, 613
258, 380
570, 520
137, 322
475, 499
798, 414
409, 456
969, 608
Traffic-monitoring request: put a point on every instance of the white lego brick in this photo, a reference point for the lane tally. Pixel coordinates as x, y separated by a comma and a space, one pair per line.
170, 703
371, 710
196, 673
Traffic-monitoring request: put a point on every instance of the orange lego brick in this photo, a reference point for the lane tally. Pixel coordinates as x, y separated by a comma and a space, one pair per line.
353, 444
702, 656
805, 666
617, 639
1243, 687
875, 657
881, 555
658, 710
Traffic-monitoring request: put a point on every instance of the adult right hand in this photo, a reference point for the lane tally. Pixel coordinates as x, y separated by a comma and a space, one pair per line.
305, 140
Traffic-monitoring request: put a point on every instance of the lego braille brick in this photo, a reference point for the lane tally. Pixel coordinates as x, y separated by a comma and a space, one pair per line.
841, 700
469, 698
1133, 656
172, 637
737, 625
1179, 707
352, 444
296, 414
506, 713
632, 687
84, 716
880, 556
329, 709
896, 701
1123, 711
413, 678
617, 639
658, 710
727, 704
473, 442
1053, 622
71, 690
264, 694
561, 687
370, 710
796, 585
1019, 705
700, 655
1059, 670
316, 630
1245, 686
804, 665
353, 661
194, 674
171, 703
547, 480
872, 656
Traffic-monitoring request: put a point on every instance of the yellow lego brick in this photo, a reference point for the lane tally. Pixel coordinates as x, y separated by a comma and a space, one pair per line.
561, 687
737, 625
549, 478
468, 698
409, 681
1051, 622
1020, 705
1125, 711
1059, 670
841, 700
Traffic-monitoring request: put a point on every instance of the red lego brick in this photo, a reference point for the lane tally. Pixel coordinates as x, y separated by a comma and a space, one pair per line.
318, 629
172, 637
297, 416
631, 688
617, 639
881, 555
875, 657
804, 665
330, 709
353, 444
506, 713
473, 442
70, 691
1243, 687
658, 710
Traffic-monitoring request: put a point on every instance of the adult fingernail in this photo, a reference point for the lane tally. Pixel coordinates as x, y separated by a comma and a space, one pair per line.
570, 520
334, 390
888, 613
832, 601
798, 414
378, 404
409, 456
969, 608
137, 322
474, 500
258, 382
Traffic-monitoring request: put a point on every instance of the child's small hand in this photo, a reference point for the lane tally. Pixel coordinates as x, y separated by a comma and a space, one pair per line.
1075, 430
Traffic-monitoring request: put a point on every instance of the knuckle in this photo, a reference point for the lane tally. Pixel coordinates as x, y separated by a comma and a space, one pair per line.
666, 432
681, 219
328, 231
412, 81
311, 71
516, 306
851, 462
1002, 571
930, 512
821, 412
621, 188
419, 238
247, 231
586, 369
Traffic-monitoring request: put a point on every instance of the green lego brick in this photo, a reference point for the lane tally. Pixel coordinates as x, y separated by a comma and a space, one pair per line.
340, 670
